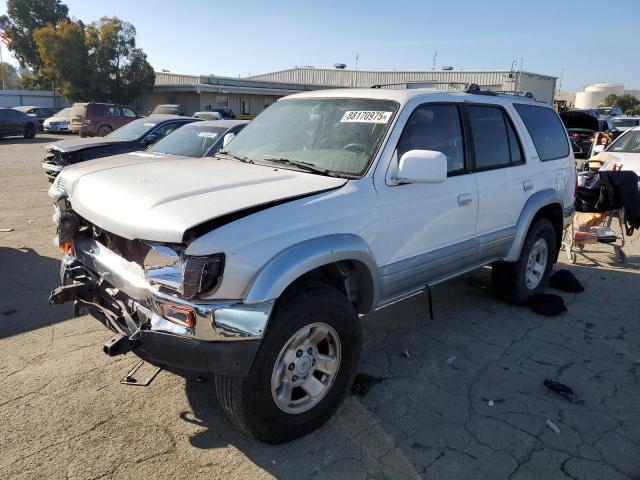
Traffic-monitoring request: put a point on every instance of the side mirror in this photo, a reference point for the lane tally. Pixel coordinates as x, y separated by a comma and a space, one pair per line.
422, 166
227, 138
151, 138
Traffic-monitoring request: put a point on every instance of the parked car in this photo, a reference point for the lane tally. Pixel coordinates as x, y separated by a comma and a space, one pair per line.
608, 112
198, 139
59, 122
624, 123
208, 115
583, 129
169, 109
136, 135
40, 114
329, 205
624, 152
14, 122
589, 111
99, 119
226, 113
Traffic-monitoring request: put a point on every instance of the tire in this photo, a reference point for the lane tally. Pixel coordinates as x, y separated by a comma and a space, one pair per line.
251, 403
510, 281
29, 130
103, 131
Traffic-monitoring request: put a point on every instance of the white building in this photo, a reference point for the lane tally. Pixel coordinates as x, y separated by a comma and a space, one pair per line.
593, 95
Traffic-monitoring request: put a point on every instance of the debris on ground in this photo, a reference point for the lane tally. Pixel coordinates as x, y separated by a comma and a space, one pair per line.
553, 426
562, 390
409, 354
491, 403
201, 379
547, 304
363, 383
566, 281
450, 359
4, 230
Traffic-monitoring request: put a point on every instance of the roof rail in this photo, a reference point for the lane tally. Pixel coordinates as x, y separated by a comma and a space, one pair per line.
503, 92
422, 82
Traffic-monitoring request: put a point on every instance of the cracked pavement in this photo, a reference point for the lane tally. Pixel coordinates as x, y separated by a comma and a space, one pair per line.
64, 414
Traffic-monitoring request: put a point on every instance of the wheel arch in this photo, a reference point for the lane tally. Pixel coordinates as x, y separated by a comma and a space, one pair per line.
341, 260
543, 204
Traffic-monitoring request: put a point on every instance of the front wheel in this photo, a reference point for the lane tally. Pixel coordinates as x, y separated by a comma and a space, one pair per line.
518, 281
29, 131
104, 130
303, 370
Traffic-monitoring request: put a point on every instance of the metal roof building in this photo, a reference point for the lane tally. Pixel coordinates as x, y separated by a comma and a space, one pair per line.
251, 95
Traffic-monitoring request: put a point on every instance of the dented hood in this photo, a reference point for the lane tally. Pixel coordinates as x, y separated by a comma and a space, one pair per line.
82, 143
150, 197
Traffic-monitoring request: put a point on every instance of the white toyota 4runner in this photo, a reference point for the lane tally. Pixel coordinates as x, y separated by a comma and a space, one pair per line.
258, 263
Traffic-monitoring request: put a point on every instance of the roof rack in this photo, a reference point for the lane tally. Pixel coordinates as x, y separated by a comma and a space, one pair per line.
472, 88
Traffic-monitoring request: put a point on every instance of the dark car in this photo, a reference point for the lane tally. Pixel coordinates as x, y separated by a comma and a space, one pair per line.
136, 135
169, 109
99, 119
40, 114
582, 128
14, 122
201, 139
227, 113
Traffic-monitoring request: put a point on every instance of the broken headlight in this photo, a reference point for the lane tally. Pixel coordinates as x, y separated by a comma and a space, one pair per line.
188, 275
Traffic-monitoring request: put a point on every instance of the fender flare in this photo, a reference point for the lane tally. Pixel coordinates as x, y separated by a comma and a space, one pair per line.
532, 206
293, 262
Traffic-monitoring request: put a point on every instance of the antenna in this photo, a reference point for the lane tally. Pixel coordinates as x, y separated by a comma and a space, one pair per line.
435, 55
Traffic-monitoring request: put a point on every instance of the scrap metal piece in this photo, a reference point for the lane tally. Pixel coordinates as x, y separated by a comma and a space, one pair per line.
129, 378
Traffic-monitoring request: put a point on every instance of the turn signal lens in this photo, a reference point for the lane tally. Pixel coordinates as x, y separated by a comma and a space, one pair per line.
184, 316
66, 247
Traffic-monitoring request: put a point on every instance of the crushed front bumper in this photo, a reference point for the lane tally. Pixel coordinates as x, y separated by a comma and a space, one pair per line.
223, 336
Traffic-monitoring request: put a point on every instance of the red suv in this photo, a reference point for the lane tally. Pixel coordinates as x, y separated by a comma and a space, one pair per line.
99, 119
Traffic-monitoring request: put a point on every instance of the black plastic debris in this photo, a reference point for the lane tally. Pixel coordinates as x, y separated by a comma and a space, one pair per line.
562, 390
363, 383
547, 304
566, 281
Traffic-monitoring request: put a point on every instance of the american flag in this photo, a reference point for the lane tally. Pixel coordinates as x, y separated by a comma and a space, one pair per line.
4, 38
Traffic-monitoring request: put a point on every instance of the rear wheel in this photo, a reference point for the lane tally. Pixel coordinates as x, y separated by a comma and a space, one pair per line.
303, 369
29, 130
518, 281
104, 130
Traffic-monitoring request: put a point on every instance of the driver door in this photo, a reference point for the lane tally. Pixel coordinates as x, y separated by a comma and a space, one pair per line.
428, 229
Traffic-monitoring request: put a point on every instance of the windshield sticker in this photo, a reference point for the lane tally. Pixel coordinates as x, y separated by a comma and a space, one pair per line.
208, 134
366, 116
149, 125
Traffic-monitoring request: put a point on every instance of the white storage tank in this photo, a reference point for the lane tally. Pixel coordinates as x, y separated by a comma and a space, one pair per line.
593, 95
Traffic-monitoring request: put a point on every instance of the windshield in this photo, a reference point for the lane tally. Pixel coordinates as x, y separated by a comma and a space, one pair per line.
627, 143
339, 135
604, 111
625, 123
65, 112
193, 140
133, 130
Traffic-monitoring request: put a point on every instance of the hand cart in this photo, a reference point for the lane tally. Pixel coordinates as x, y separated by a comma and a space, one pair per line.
578, 235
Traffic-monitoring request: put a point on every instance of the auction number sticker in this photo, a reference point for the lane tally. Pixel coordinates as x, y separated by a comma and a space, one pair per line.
366, 116
208, 134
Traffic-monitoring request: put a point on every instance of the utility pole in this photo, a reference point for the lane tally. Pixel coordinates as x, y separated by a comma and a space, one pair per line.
3, 69
435, 55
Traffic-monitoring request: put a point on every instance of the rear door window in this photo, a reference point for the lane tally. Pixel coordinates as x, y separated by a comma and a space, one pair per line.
97, 110
128, 112
494, 140
546, 130
115, 111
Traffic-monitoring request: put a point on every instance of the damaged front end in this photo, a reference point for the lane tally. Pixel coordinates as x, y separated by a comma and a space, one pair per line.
54, 161
151, 296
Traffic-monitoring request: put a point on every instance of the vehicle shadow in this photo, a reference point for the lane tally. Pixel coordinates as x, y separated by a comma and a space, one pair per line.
25, 141
462, 395
25, 283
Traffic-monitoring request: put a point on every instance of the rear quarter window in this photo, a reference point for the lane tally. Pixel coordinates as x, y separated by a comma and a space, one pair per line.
546, 131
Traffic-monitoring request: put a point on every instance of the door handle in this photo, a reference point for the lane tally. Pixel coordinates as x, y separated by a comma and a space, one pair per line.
527, 185
465, 199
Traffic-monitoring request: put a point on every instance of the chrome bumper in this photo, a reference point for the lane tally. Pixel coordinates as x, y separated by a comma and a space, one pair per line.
215, 321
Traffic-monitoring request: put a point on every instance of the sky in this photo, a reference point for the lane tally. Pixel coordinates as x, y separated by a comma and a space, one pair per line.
582, 42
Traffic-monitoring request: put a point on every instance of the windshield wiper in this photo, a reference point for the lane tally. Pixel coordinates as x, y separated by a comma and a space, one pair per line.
310, 167
235, 157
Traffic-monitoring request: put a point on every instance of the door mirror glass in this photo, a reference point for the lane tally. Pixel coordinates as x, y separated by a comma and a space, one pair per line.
227, 138
422, 166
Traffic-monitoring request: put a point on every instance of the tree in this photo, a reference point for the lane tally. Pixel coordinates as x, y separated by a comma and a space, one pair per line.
627, 102
119, 72
23, 18
64, 58
8, 75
